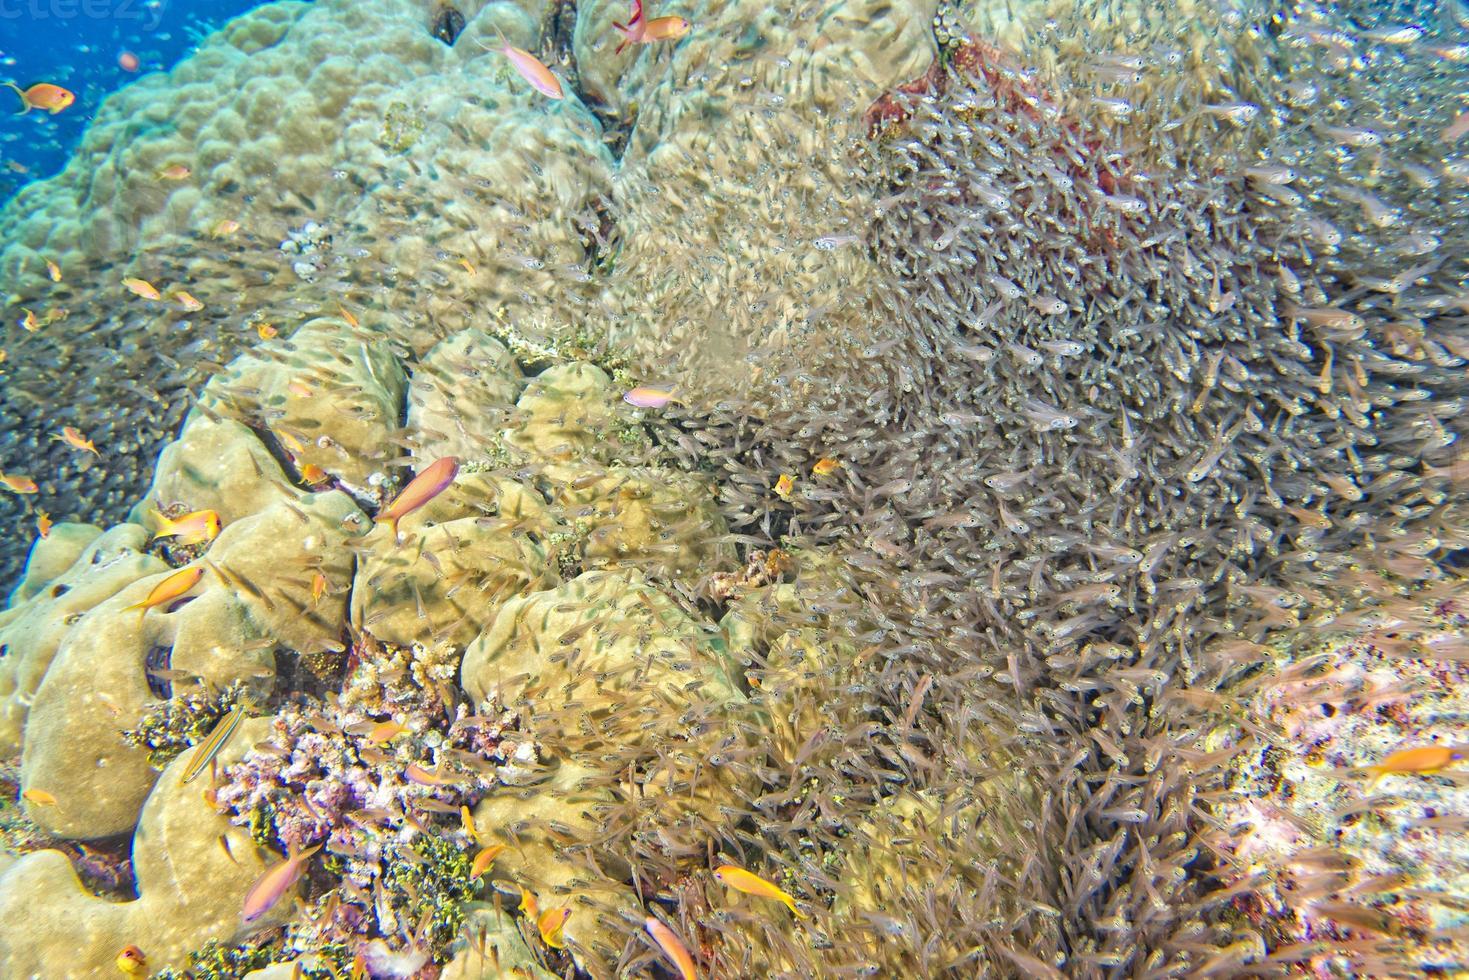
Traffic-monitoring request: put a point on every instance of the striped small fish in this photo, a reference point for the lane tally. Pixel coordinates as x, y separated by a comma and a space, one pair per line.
209, 748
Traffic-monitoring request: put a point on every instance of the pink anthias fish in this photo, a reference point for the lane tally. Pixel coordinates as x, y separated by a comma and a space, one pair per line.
640, 31
432, 481
529, 67
274, 882
644, 396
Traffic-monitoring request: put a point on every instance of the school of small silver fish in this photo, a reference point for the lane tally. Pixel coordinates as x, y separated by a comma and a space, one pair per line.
1124, 369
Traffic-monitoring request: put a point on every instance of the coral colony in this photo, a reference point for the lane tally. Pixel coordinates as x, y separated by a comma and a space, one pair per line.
834, 489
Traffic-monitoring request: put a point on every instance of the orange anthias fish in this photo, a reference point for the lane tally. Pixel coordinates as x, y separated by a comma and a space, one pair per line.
142, 287
434, 480
174, 171
529, 68
73, 438
385, 732
19, 484
318, 587
186, 301
552, 924
29, 322
648, 397
194, 528
752, 884
784, 486
43, 524
53, 270
484, 859
274, 883
43, 95
672, 947
415, 773
1424, 760
313, 475
639, 31
39, 797
347, 315
224, 227
825, 466
169, 589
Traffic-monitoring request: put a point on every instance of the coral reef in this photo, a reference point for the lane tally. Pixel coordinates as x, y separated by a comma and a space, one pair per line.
1065, 411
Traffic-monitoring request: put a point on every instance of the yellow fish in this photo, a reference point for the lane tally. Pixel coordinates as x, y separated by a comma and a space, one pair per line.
266, 331
552, 924
169, 589
43, 524
53, 270
195, 528
385, 732
216, 740
784, 486
1426, 760
19, 484
752, 884
224, 227
39, 797
825, 466
484, 859
29, 321
346, 315
141, 287
132, 961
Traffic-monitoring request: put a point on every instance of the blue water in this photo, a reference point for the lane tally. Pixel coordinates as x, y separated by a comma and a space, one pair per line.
77, 44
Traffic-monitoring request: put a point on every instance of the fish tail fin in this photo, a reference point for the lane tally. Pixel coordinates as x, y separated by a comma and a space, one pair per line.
165, 525
25, 102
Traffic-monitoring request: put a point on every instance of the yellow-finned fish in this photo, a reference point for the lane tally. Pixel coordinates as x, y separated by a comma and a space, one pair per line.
73, 437
1423, 760
752, 884
142, 287
552, 924
132, 961
206, 750
169, 589
193, 528
39, 797
484, 859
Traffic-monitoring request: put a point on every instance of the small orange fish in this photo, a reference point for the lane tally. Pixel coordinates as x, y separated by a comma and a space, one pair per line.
291, 442
174, 171
467, 820
43, 95
52, 315
467, 267
415, 773
186, 301
672, 947
19, 484
193, 528
1424, 760
29, 321
4, 356
318, 588
141, 287
43, 524
169, 589
53, 270
385, 732
224, 227
428, 484
76, 440
752, 884
313, 475
132, 961
484, 859
784, 486
39, 797
273, 883
552, 924
529, 67
347, 315
825, 466
266, 331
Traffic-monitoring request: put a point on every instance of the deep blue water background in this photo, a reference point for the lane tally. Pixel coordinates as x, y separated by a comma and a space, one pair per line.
76, 44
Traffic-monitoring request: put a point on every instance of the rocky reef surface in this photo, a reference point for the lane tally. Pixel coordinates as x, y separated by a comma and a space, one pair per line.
1054, 499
